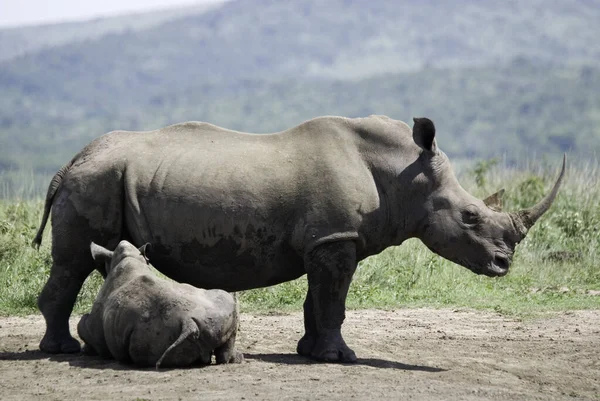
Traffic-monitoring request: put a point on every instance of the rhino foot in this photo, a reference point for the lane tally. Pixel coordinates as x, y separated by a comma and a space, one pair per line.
306, 345
332, 348
59, 345
230, 357
334, 354
227, 353
88, 350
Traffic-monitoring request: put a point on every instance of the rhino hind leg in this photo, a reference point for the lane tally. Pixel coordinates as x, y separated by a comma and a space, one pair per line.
330, 268
56, 303
72, 263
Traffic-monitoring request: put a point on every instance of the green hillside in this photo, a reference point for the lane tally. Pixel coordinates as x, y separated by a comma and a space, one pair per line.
310, 38
521, 108
17, 41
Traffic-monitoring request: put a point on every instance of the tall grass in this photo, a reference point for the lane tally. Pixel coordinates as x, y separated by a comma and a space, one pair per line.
20, 184
555, 268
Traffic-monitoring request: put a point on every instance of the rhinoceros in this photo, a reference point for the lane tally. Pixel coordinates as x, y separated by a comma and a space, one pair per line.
231, 210
141, 318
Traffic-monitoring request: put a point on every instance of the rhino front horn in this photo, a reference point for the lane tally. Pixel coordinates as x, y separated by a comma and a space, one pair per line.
525, 219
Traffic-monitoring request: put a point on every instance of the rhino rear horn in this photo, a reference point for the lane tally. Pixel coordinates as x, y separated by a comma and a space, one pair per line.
527, 218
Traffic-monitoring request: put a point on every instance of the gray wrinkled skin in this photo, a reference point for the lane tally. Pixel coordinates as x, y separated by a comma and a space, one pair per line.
231, 210
142, 319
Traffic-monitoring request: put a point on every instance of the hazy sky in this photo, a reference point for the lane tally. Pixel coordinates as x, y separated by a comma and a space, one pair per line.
28, 12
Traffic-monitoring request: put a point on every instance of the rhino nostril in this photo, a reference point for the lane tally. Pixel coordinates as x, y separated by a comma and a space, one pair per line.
502, 262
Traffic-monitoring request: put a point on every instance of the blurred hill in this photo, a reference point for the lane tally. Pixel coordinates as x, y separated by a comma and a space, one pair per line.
17, 41
498, 78
312, 38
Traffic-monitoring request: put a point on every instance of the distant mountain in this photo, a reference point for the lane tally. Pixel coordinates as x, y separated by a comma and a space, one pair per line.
519, 109
17, 41
312, 38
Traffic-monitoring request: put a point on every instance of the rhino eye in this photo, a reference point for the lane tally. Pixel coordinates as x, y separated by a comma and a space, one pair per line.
470, 216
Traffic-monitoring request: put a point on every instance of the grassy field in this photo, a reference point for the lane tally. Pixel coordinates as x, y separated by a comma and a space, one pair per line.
555, 268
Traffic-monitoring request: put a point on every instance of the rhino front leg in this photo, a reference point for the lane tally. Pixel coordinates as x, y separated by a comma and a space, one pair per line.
330, 268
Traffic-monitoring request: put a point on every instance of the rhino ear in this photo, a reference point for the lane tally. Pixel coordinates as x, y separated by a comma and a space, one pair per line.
424, 133
143, 249
100, 254
494, 201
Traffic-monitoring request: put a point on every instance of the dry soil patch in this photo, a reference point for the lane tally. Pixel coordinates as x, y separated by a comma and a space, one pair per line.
421, 354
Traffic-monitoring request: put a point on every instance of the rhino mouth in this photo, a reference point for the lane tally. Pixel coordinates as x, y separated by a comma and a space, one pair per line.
498, 266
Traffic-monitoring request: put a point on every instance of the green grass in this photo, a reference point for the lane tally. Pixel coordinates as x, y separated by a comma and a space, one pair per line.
554, 268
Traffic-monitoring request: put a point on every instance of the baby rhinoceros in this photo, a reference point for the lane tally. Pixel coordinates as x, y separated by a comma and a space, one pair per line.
141, 318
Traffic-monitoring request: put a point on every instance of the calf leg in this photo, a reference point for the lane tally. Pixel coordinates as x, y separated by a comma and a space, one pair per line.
227, 352
92, 335
330, 268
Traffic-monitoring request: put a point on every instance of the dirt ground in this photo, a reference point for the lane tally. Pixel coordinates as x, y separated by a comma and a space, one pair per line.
420, 354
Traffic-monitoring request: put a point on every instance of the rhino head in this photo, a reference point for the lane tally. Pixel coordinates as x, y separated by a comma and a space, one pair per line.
474, 233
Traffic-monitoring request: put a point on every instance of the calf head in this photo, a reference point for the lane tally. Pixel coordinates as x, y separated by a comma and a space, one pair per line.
474, 233
124, 250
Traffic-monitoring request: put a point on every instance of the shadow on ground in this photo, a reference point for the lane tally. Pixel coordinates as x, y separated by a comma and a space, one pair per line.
293, 359
94, 362
81, 360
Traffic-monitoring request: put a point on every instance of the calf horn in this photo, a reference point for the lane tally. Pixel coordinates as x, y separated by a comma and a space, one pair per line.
525, 219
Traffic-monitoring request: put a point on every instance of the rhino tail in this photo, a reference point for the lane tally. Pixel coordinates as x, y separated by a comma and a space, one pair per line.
188, 328
52, 189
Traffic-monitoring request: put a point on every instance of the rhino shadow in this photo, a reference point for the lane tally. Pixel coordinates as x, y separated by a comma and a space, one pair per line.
294, 359
37, 355
82, 361
99, 363
77, 359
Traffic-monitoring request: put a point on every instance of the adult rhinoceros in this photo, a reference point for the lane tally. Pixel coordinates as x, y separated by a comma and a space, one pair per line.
230, 210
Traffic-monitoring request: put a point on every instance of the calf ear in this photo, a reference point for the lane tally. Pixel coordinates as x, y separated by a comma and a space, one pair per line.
494, 201
143, 249
100, 254
424, 133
